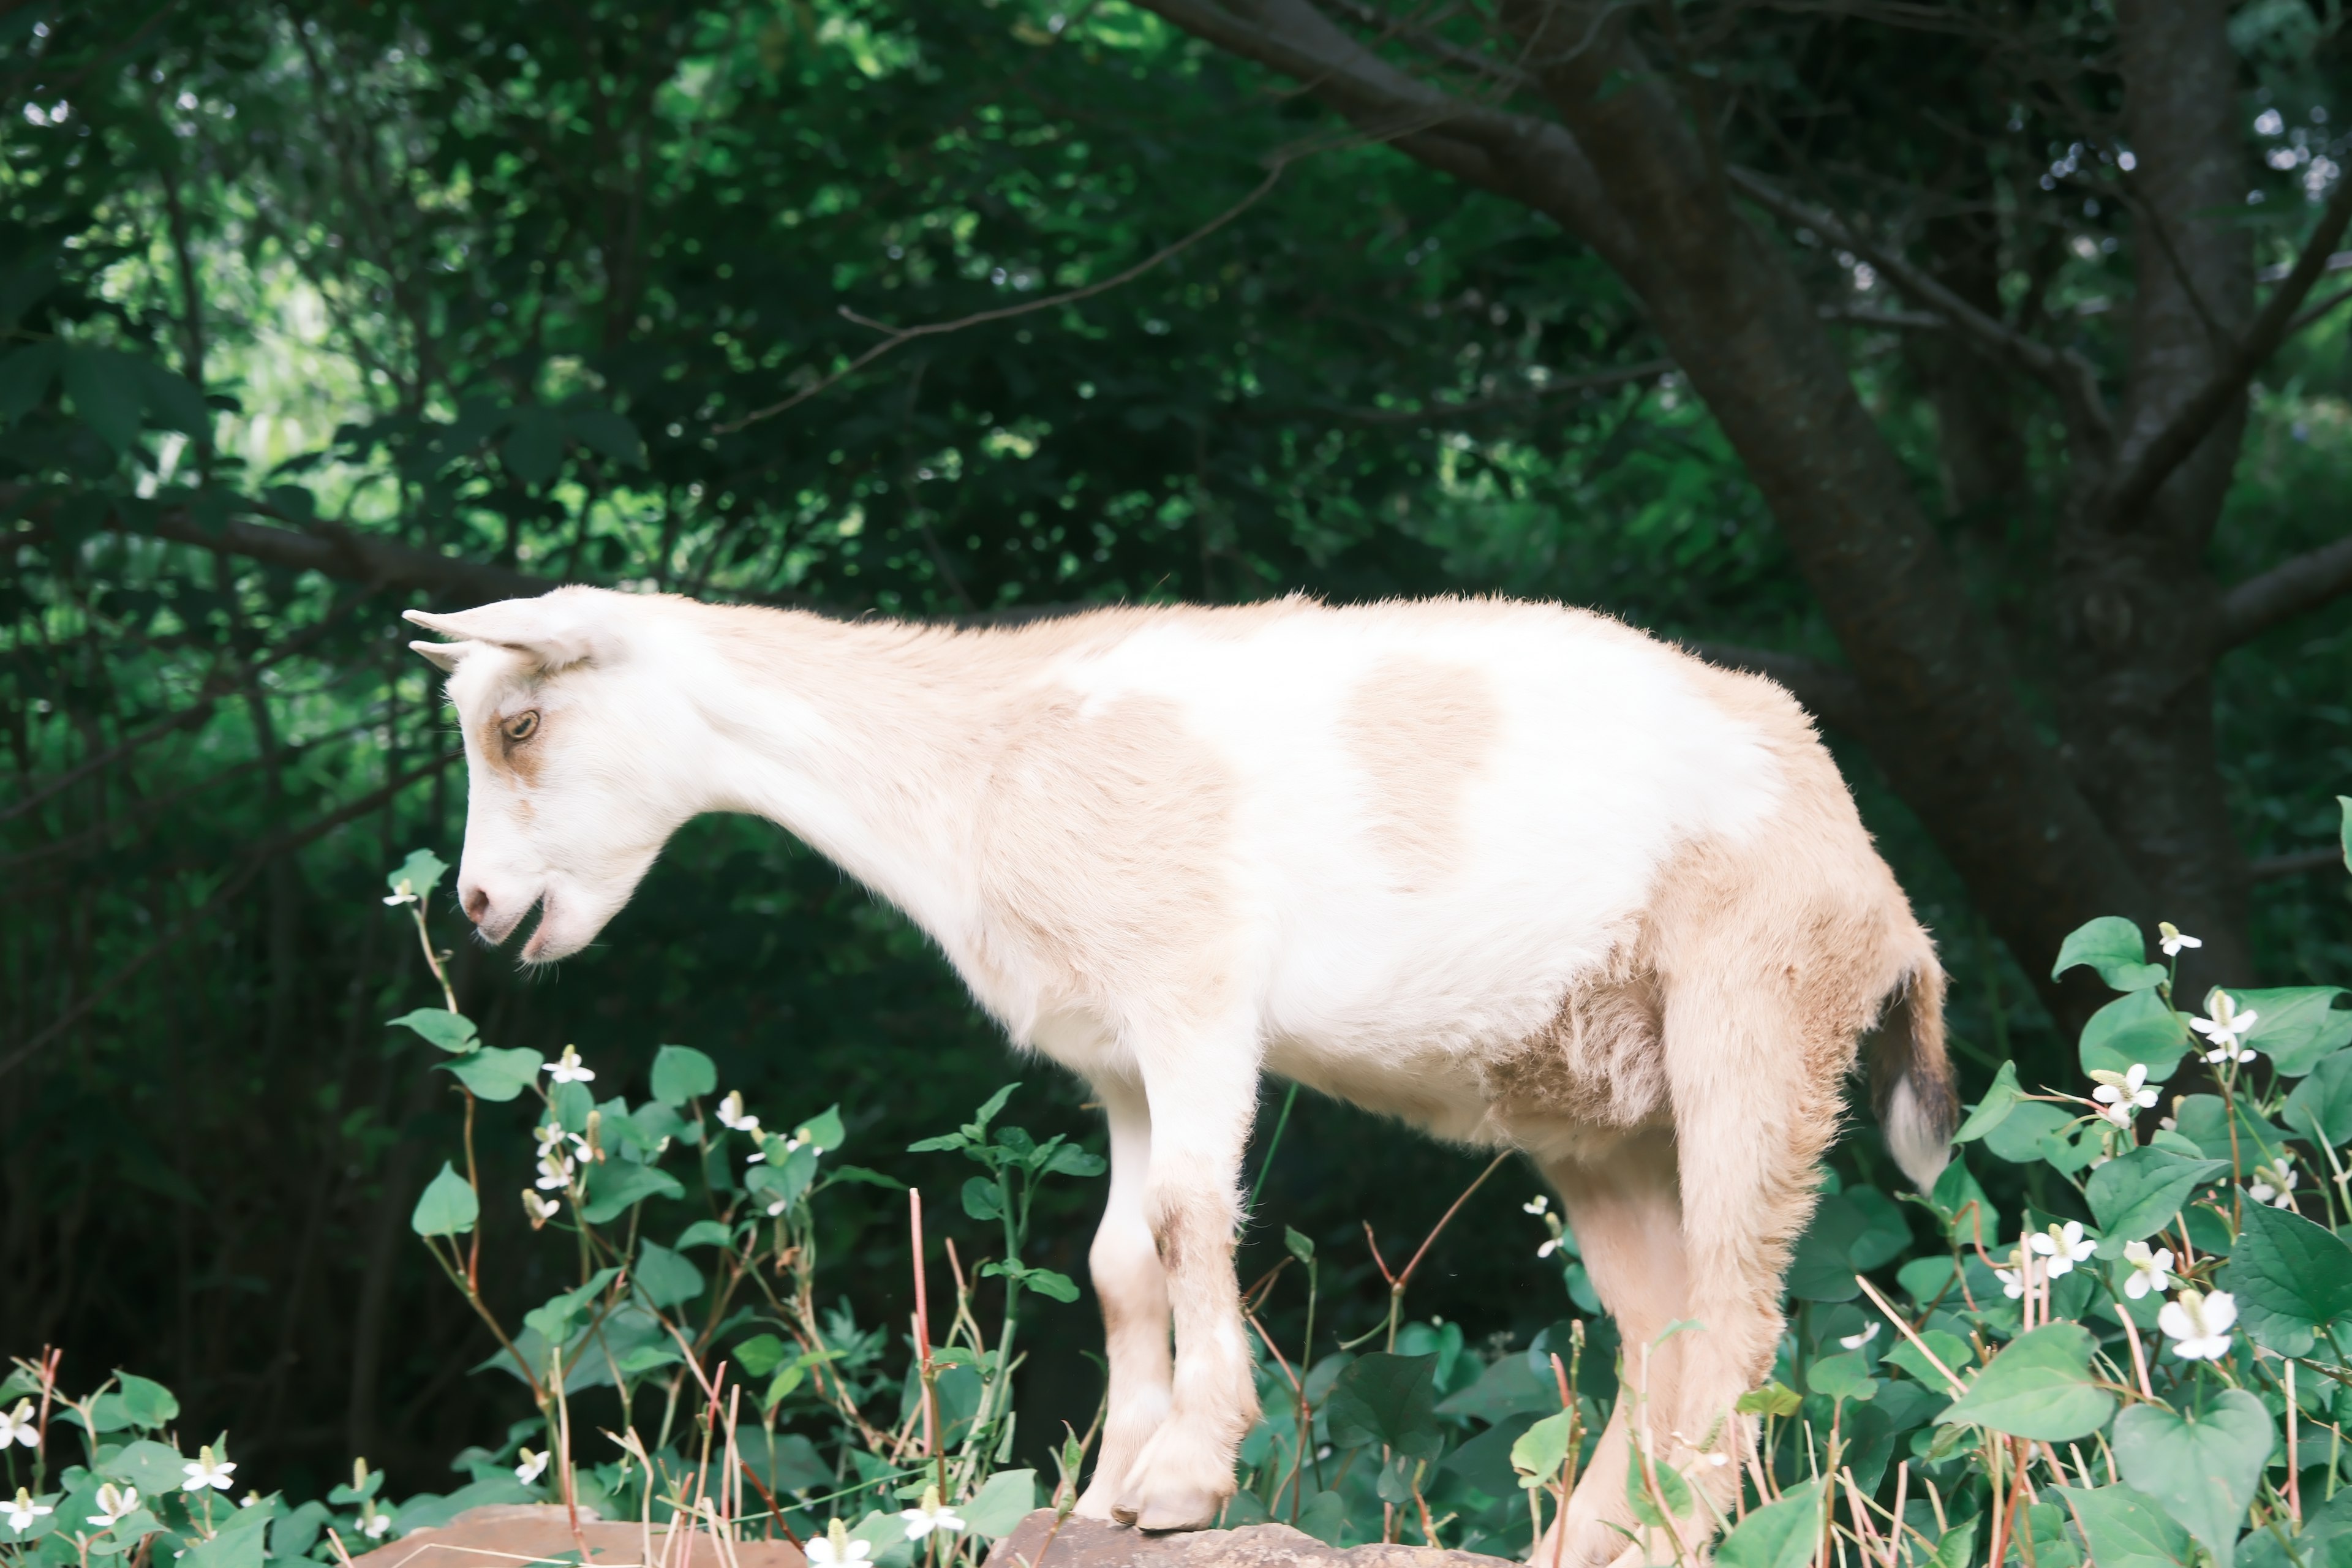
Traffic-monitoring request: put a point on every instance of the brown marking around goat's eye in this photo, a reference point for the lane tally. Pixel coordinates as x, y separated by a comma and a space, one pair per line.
522, 726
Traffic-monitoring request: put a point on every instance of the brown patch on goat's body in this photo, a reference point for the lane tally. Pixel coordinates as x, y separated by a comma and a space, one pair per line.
1600, 1062
1422, 731
1105, 842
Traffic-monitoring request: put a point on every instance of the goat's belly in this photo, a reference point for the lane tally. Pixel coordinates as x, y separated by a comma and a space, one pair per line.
1437, 1091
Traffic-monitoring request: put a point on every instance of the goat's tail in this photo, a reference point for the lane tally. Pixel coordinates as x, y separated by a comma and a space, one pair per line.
1911, 1078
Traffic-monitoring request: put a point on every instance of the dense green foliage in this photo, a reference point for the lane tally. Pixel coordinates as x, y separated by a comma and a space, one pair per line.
500, 286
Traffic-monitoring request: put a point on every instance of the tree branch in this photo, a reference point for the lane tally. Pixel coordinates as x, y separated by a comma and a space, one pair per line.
1435, 412
2287, 590
2141, 470
2069, 376
336, 552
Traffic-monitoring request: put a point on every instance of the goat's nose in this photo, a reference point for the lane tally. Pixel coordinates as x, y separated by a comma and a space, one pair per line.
477, 903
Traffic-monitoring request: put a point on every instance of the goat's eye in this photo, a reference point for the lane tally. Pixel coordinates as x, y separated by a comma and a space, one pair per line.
522, 725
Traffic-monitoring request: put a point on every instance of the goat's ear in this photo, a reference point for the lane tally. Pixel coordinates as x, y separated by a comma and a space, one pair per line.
442, 655
555, 631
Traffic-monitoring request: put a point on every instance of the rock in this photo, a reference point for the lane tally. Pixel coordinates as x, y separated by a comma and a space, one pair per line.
1095, 1543
508, 1535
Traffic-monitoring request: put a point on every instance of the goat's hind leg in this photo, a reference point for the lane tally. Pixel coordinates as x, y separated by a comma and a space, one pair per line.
1133, 1289
1621, 1202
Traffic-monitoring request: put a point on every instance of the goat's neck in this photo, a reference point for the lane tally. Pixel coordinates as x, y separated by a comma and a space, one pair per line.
866, 743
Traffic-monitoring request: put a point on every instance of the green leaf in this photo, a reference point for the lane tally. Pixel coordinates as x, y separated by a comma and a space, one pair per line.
1070, 1160
554, 1319
704, 1233
419, 874
2024, 1134
175, 401
25, 377
2127, 1530
239, 1544
1509, 1386
1010, 1496
824, 1131
2296, 1025
153, 1468
534, 448
2139, 1027
498, 1076
1542, 1449
448, 1207
871, 1178
615, 1186
1388, 1400
1999, 1101
2344, 829
2291, 1278
452, 1032
983, 1199
1783, 1534
1950, 1349
2111, 945
782, 1181
2202, 1470
1968, 1215
2201, 1119
2039, 1386
2321, 1105
602, 430
1670, 1488
989, 1108
761, 1355
1044, 1282
107, 389
2137, 1194
1845, 1375
682, 1073
664, 1278
1297, 1246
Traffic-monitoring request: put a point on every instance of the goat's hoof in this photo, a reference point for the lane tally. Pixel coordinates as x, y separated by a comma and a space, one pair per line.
1171, 1510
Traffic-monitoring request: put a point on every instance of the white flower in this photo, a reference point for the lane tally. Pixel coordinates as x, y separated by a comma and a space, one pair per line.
928, 1515
533, 1466
404, 892
2224, 1027
567, 1068
539, 1210
2170, 938
375, 1524
20, 1426
1549, 1248
2273, 1183
204, 1470
21, 1513
731, 1113
2150, 1270
114, 1503
1855, 1341
248, 1500
834, 1548
2013, 1282
2065, 1245
2126, 1091
2199, 1325
554, 1173
1535, 1205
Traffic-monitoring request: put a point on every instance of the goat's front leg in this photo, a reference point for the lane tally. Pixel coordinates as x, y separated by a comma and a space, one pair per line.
1133, 1289
1202, 1094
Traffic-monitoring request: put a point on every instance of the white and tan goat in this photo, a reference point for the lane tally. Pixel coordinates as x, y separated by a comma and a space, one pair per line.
1516, 874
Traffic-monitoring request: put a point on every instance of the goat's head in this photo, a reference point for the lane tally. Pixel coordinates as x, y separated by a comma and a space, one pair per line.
579, 761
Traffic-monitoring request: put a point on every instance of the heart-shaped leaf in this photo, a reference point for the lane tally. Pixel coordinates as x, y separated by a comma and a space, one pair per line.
2296, 1027
2137, 1194
447, 1207
495, 1075
1390, 1400
2203, 1469
2127, 1530
682, 1073
2039, 1387
2139, 1027
2291, 1278
2114, 946
1783, 1534
452, 1032
2321, 1105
